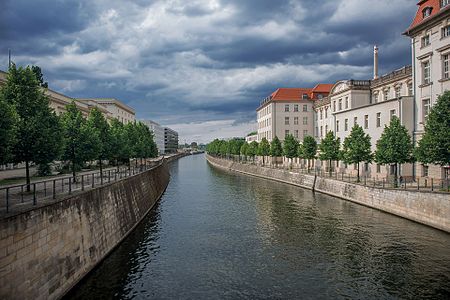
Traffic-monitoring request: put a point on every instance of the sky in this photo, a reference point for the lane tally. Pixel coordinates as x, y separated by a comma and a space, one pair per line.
202, 67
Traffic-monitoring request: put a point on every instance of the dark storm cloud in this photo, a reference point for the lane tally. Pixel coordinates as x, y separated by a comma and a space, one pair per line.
203, 59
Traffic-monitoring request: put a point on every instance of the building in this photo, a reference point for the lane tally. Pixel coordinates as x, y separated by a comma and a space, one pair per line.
115, 108
430, 45
289, 111
158, 132
170, 140
251, 137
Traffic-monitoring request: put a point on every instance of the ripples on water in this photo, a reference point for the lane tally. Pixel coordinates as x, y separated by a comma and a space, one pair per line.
221, 235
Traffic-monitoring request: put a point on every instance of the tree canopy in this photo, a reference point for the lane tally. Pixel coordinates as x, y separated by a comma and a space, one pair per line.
276, 149
290, 146
357, 147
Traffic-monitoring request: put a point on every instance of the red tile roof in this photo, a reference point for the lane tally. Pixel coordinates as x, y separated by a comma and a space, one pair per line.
289, 94
323, 88
435, 9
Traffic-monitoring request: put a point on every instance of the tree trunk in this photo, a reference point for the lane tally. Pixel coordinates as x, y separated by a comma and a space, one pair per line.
330, 168
27, 171
101, 170
74, 177
264, 163
395, 175
358, 173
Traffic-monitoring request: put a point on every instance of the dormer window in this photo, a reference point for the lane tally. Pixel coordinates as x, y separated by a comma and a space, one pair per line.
444, 3
426, 12
305, 96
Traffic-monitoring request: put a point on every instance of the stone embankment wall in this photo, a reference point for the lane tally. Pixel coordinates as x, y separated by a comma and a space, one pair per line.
432, 209
45, 251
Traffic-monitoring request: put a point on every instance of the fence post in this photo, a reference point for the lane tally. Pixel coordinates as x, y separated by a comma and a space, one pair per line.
115, 175
45, 188
54, 188
418, 184
70, 186
82, 182
101, 177
21, 194
7, 199
34, 193
93, 180
431, 183
383, 183
365, 179
62, 185
109, 176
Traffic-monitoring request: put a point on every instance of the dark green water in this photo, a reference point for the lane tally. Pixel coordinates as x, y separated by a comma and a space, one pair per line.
219, 235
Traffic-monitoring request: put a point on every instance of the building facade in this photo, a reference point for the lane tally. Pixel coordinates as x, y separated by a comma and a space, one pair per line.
115, 108
430, 45
289, 111
158, 132
170, 140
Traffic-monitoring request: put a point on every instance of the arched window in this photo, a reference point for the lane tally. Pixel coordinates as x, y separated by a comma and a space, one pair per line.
426, 12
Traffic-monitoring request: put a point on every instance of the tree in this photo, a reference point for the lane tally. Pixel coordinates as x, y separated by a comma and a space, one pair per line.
244, 150
223, 148
330, 149
252, 150
118, 143
264, 149
8, 119
290, 147
357, 147
394, 146
39, 76
80, 140
98, 124
309, 148
276, 149
35, 120
434, 147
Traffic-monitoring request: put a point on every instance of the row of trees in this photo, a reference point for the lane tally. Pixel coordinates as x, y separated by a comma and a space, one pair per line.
395, 146
31, 132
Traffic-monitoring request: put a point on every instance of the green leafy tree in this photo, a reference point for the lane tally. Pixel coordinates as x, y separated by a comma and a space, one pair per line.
264, 149
357, 147
252, 150
290, 147
244, 150
309, 149
98, 124
8, 120
35, 119
39, 76
119, 142
434, 147
81, 142
276, 149
329, 149
394, 146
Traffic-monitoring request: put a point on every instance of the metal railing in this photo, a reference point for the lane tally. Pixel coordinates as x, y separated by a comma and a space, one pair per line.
22, 194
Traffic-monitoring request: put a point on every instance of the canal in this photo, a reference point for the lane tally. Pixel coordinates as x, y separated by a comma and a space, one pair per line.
220, 235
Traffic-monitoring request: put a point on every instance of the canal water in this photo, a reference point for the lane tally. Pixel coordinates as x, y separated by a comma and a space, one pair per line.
220, 235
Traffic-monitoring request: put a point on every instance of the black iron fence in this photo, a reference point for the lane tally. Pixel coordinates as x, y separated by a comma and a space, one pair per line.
47, 190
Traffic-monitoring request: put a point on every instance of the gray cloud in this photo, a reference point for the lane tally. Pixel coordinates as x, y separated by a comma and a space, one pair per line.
182, 62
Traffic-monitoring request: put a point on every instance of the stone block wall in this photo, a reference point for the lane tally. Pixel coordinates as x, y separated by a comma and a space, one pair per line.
45, 251
432, 209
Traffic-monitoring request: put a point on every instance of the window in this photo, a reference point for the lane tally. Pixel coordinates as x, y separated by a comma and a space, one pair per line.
326, 129
424, 171
425, 109
295, 120
305, 107
286, 133
337, 126
398, 91
286, 107
334, 105
355, 121
426, 12
375, 98
386, 94
444, 3
366, 121
426, 40
321, 131
321, 114
379, 119
346, 102
326, 112
378, 168
392, 113
355, 167
305, 120
296, 107
319, 96
445, 68
346, 125
445, 31
305, 96
410, 89
305, 133
340, 104
426, 72
366, 167
286, 120
296, 134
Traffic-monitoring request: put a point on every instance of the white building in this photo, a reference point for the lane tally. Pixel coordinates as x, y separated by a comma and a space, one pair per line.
116, 108
158, 132
430, 43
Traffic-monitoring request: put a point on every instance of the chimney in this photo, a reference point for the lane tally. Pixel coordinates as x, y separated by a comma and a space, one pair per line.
375, 62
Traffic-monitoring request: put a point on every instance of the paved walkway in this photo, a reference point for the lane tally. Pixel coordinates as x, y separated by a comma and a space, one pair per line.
16, 173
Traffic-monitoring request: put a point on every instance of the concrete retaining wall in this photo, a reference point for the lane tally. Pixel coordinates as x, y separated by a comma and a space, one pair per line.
432, 209
47, 250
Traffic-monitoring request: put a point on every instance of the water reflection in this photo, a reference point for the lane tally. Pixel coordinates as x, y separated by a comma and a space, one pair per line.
217, 234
